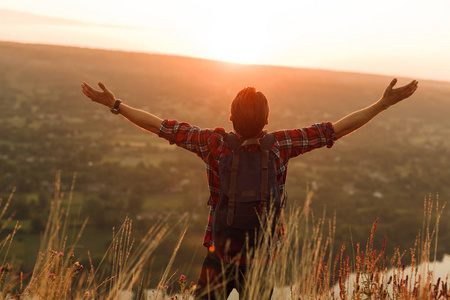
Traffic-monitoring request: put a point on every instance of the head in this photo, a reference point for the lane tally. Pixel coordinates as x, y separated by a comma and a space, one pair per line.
249, 112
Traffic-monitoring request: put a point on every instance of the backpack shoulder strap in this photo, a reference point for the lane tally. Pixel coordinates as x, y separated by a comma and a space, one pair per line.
233, 141
233, 188
267, 141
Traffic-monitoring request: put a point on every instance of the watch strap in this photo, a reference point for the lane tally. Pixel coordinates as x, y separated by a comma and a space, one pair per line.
115, 109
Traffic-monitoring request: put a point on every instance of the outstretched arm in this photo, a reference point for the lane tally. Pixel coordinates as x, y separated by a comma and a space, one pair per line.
139, 117
361, 117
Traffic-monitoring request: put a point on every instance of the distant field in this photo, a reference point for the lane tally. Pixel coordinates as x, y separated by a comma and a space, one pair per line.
382, 171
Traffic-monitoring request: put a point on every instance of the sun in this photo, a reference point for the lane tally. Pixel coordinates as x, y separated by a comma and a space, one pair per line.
238, 36
236, 44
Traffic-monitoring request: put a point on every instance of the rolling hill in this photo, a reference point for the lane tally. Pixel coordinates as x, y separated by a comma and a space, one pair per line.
384, 170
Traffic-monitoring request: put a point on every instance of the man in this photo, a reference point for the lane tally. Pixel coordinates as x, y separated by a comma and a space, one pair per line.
249, 114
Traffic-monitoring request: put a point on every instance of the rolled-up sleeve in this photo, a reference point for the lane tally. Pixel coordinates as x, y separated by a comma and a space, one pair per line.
298, 141
186, 136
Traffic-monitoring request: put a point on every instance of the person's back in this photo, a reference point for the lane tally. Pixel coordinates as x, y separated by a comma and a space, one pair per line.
249, 114
249, 194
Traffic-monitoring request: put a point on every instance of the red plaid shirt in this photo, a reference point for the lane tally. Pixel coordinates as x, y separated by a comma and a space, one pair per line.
210, 146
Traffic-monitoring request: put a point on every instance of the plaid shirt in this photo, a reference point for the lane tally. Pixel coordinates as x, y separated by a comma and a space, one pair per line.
210, 146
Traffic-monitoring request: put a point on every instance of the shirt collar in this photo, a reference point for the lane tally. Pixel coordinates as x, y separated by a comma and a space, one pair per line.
259, 136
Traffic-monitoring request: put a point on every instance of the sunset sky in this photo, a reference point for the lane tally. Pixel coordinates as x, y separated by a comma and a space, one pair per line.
398, 38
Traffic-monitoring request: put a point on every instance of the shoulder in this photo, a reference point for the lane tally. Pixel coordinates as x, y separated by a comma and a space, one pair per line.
219, 131
218, 138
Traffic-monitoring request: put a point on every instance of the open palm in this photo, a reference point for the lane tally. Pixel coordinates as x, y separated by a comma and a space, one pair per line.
392, 96
105, 97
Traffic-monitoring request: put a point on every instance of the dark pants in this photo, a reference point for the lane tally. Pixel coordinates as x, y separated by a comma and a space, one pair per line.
217, 279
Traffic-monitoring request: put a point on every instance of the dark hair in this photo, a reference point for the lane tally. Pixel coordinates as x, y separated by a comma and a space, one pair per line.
249, 112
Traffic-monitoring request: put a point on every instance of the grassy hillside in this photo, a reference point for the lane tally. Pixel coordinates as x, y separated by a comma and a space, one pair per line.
384, 170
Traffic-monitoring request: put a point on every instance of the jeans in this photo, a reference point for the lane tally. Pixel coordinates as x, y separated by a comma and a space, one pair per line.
211, 284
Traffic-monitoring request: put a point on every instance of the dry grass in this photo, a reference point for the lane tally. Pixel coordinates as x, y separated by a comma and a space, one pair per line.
57, 274
304, 266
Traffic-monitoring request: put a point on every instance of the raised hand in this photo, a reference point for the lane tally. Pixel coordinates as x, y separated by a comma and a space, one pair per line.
106, 97
359, 118
392, 96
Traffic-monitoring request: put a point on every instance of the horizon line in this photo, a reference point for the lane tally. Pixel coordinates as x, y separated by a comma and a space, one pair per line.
222, 61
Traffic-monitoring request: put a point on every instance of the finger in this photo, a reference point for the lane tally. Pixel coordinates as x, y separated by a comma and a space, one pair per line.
408, 88
412, 86
84, 89
88, 87
412, 83
393, 82
103, 87
86, 93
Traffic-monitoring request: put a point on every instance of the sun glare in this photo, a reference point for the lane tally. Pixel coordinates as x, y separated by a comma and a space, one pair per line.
234, 43
238, 36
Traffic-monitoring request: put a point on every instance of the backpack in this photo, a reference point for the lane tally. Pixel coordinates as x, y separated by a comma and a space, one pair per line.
249, 188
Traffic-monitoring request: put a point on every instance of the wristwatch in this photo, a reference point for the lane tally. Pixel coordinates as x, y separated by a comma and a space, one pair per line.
115, 109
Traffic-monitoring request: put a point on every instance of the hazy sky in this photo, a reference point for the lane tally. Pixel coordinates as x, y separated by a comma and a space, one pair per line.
399, 38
